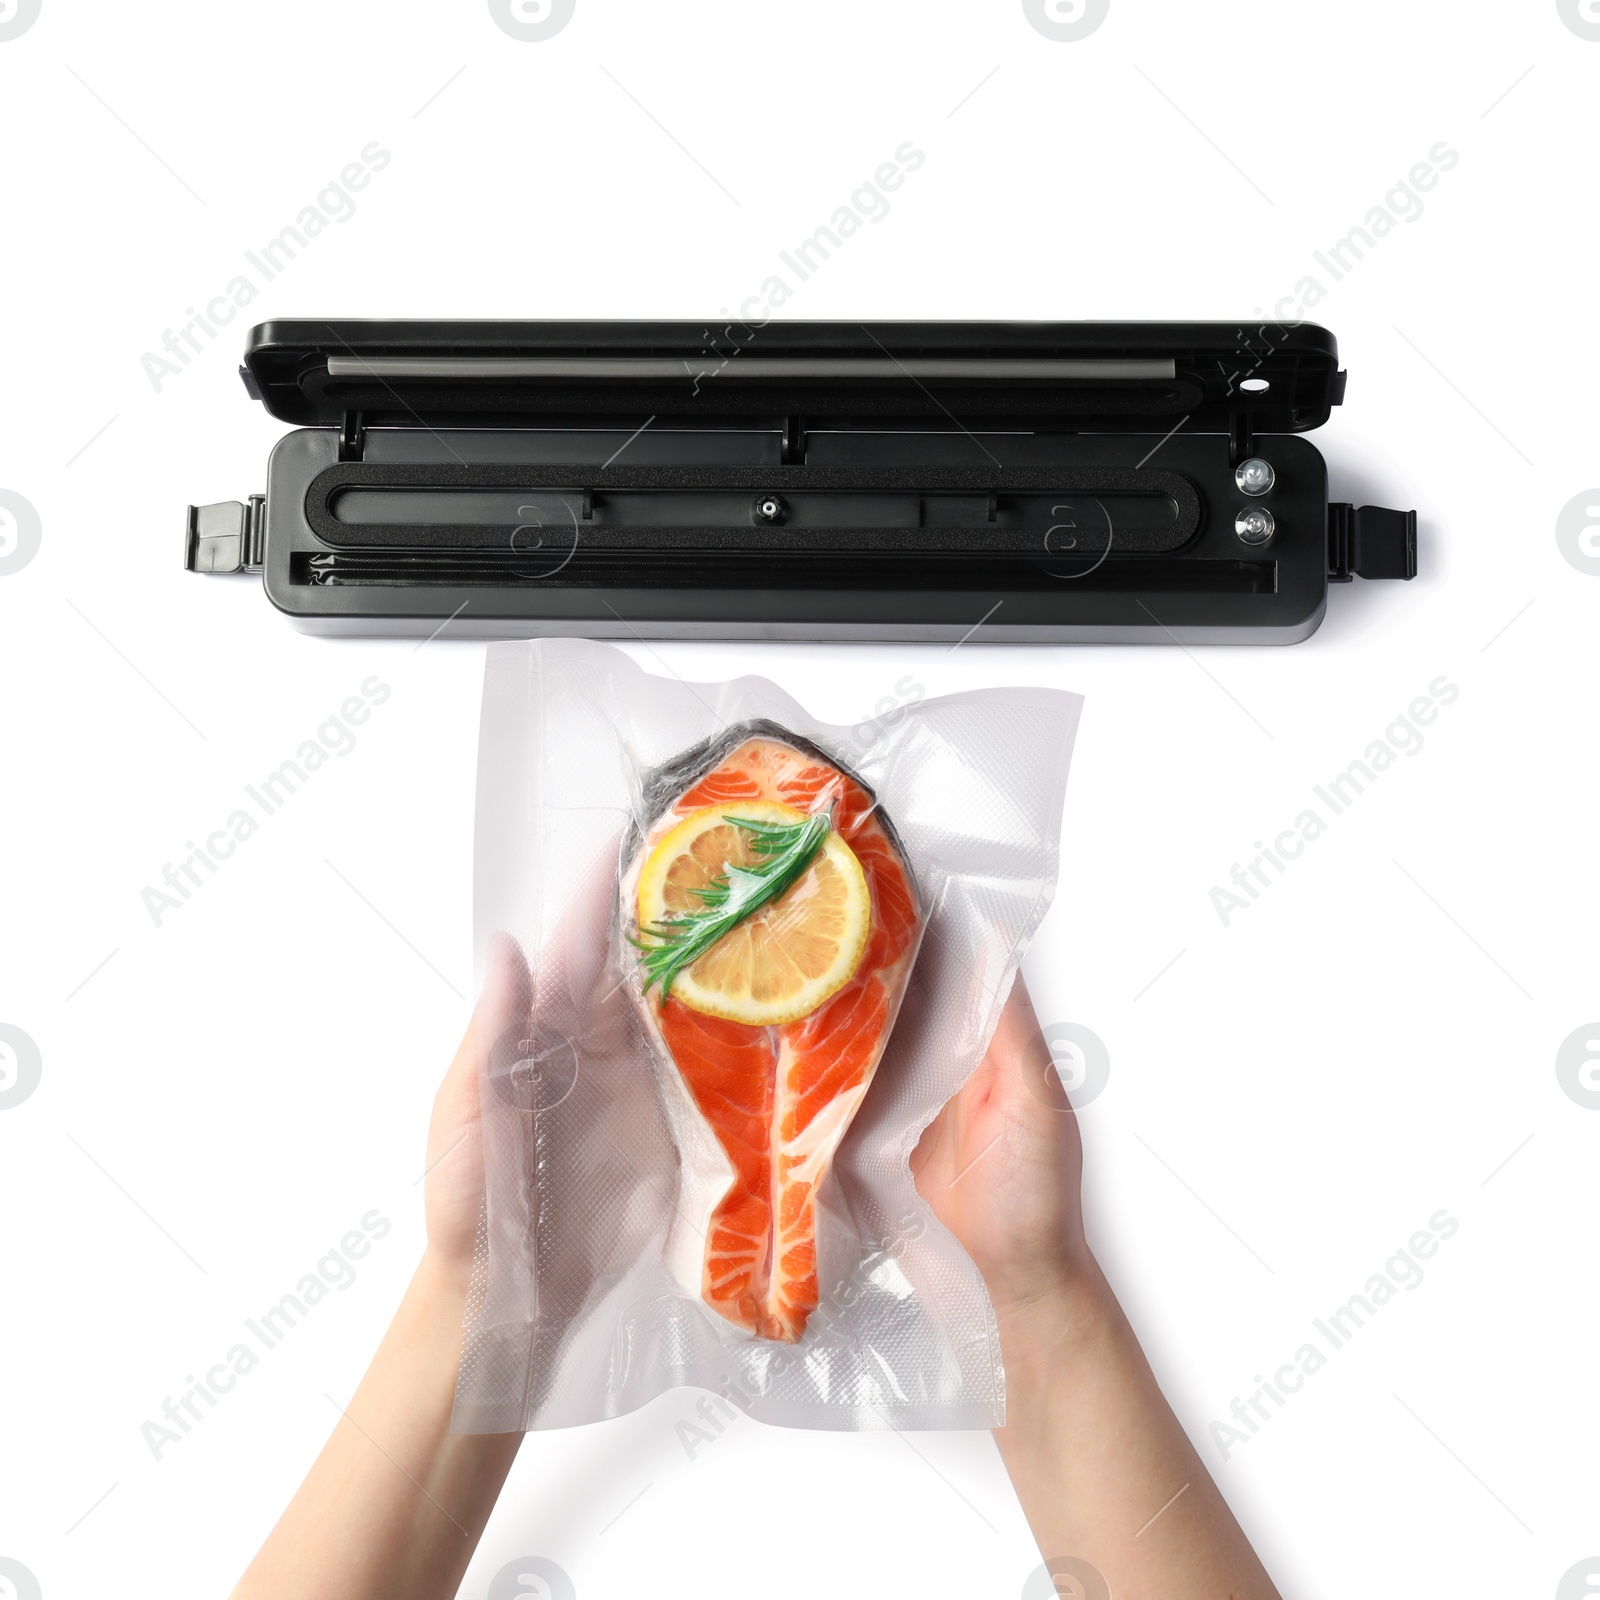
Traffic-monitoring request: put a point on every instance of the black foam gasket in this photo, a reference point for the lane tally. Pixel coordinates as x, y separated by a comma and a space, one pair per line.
1088, 482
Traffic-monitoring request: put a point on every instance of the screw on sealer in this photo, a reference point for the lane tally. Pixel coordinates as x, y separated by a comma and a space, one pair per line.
1255, 476
1255, 525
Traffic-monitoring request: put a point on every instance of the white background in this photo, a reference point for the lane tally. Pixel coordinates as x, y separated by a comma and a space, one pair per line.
1291, 1097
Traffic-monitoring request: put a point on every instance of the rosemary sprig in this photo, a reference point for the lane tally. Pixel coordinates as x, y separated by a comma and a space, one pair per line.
786, 851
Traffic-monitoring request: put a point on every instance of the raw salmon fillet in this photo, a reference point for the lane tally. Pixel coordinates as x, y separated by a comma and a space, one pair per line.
759, 1112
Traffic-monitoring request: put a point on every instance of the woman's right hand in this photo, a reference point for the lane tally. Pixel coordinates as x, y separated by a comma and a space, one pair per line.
1001, 1167
1115, 1493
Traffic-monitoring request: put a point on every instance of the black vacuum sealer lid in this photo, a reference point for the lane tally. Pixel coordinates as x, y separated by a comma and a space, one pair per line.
1079, 377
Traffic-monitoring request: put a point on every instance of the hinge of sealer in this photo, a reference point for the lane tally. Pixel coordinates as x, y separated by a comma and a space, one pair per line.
1370, 542
352, 437
792, 450
1242, 441
226, 536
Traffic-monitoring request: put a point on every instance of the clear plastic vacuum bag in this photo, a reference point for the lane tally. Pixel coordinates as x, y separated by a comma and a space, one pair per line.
763, 951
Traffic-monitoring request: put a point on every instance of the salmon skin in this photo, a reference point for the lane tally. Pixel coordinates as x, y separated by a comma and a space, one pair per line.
758, 1112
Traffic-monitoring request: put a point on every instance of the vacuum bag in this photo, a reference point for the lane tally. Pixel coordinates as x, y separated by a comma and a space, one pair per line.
762, 953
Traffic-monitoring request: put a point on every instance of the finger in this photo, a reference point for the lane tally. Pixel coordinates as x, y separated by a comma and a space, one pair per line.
502, 1004
930, 1146
1011, 1032
1024, 1071
1019, 1024
992, 1075
505, 997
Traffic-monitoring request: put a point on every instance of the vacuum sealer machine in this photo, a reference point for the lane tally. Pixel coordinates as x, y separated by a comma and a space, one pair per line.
1037, 482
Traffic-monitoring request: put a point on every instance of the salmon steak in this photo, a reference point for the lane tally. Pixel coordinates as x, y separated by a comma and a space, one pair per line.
770, 922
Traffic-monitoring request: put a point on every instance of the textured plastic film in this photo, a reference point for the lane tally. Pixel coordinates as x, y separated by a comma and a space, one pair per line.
582, 1305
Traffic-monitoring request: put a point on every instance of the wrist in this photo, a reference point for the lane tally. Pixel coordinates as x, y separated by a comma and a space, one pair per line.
443, 1279
1056, 1316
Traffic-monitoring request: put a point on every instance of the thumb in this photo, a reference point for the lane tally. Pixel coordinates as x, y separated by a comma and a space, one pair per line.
502, 1007
1025, 1076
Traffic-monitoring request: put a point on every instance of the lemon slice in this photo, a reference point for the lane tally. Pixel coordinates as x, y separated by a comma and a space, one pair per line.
782, 961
